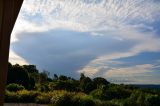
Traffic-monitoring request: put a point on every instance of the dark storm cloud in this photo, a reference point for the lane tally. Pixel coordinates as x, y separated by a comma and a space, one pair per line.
64, 52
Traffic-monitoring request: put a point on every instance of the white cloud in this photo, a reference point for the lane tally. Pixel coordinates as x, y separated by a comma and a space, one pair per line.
82, 16
89, 71
129, 71
145, 42
14, 58
126, 19
96, 34
138, 74
135, 74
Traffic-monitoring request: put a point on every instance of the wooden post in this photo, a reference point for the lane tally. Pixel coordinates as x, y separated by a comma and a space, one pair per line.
9, 10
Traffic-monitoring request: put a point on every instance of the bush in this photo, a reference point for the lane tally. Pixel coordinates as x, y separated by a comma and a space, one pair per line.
109, 93
140, 98
152, 100
22, 96
43, 98
135, 99
82, 100
42, 87
98, 94
11, 97
62, 98
14, 87
117, 92
27, 96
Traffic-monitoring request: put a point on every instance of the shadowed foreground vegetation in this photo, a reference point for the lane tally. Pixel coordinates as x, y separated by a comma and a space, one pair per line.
25, 84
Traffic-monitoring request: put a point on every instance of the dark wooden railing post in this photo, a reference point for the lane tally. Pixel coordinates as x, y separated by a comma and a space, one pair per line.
9, 10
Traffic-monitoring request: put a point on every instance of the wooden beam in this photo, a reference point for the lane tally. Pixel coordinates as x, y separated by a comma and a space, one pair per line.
9, 10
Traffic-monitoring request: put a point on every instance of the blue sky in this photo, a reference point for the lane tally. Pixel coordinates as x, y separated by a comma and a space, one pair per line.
115, 39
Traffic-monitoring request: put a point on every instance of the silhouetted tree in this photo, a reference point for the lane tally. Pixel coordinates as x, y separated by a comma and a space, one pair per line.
63, 78
86, 84
30, 68
99, 81
17, 74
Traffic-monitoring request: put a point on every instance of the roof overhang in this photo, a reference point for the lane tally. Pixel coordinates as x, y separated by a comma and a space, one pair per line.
9, 10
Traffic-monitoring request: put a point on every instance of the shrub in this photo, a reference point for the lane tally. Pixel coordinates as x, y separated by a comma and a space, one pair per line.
14, 87
152, 100
98, 94
117, 92
27, 96
63, 85
42, 87
134, 99
22, 96
113, 92
11, 97
140, 98
42, 98
62, 98
82, 100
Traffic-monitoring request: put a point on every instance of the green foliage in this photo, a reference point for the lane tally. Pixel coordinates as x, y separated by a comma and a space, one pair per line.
11, 97
30, 68
99, 93
68, 85
43, 98
30, 86
140, 98
152, 100
35, 76
55, 77
105, 92
86, 84
43, 76
14, 87
63, 78
62, 99
27, 96
117, 92
21, 76
43, 87
98, 81
22, 96
83, 100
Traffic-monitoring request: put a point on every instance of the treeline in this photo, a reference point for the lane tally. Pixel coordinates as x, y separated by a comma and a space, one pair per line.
26, 75
31, 79
26, 84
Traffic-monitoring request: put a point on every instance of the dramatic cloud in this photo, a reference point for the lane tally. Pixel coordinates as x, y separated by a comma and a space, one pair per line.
70, 49
91, 33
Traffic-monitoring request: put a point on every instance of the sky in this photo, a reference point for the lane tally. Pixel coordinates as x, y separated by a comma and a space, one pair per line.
115, 39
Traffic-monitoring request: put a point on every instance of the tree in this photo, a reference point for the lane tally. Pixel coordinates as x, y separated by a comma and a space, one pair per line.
14, 87
100, 81
43, 77
17, 74
82, 76
30, 68
63, 78
55, 78
86, 84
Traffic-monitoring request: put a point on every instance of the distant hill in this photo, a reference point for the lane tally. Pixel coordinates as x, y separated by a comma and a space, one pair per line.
151, 86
